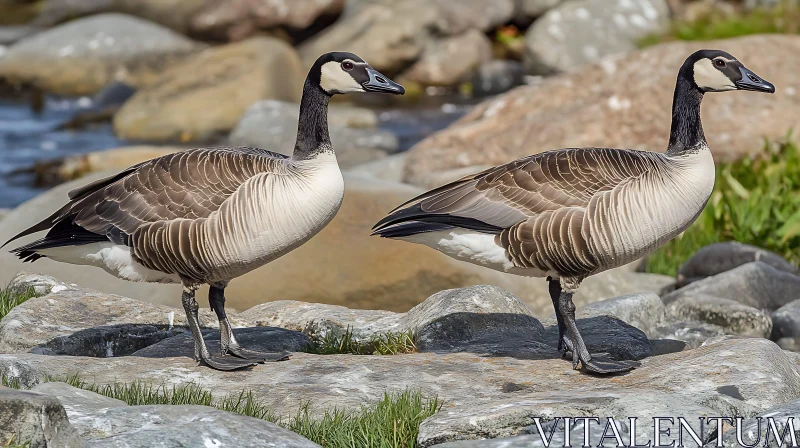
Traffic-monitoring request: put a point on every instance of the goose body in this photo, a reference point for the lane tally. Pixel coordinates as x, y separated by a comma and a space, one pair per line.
209, 215
571, 213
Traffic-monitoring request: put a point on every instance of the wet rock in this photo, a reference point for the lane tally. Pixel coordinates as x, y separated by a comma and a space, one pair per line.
609, 335
495, 77
35, 418
450, 60
78, 321
265, 339
756, 284
196, 426
786, 321
272, 125
585, 31
238, 19
609, 114
643, 311
721, 257
731, 315
83, 56
176, 107
693, 333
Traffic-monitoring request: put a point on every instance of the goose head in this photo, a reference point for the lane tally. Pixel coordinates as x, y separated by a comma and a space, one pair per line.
718, 71
341, 72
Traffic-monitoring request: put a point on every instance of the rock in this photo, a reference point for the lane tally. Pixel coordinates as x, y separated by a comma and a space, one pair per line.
786, 321
693, 333
667, 346
602, 105
790, 344
238, 19
176, 106
754, 432
731, 315
484, 396
720, 257
450, 60
459, 16
80, 404
13, 33
273, 125
534, 8
183, 425
174, 14
530, 437
36, 419
83, 56
643, 311
387, 168
82, 322
365, 278
389, 36
496, 77
54, 172
585, 31
753, 284
609, 335
265, 339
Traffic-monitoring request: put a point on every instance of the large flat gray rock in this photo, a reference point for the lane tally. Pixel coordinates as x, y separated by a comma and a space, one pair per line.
721, 257
734, 317
35, 418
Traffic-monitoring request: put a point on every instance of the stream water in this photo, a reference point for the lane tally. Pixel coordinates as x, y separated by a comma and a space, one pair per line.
27, 137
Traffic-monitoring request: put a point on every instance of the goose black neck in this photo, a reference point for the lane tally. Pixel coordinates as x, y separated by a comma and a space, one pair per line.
686, 135
312, 127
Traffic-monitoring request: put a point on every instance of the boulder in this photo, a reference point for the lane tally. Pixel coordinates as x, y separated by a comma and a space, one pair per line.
174, 14
36, 420
731, 315
458, 16
497, 76
78, 402
272, 125
484, 396
265, 339
526, 9
13, 33
229, 77
376, 273
720, 257
585, 31
693, 333
83, 56
643, 311
76, 321
755, 429
786, 321
756, 284
790, 344
448, 61
610, 336
387, 168
238, 19
602, 105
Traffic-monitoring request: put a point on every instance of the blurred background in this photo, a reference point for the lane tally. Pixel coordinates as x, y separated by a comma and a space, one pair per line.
92, 86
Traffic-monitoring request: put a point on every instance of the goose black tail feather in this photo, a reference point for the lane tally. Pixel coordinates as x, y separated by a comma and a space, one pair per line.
411, 228
64, 233
416, 214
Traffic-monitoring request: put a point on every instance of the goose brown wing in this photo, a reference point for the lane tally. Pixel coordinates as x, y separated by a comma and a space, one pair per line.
501, 197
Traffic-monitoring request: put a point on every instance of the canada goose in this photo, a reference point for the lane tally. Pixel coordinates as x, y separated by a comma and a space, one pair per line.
571, 213
209, 215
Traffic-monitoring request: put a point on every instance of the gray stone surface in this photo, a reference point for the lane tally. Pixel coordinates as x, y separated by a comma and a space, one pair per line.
35, 418
185, 426
484, 395
609, 335
754, 433
82, 56
791, 344
721, 257
584, 31
451, 60
534, 8
756, 284
497, 76
78, 321
12, 33
273, 125
389, 168
643, 311
80, 405
694, 333
731, 315
265, 339
786, 321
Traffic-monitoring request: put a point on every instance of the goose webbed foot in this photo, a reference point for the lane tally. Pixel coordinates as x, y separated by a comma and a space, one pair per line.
608, 367
243, 353
227, 363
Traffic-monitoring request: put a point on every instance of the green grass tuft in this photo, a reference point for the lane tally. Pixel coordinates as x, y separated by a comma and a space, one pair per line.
755, 201
10, 298
349, 344
393, 422
782, 19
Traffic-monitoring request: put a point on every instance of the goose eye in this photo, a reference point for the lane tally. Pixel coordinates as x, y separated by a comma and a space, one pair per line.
719, 63
347, 65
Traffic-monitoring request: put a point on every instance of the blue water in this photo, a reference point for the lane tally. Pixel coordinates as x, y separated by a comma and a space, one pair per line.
27, 137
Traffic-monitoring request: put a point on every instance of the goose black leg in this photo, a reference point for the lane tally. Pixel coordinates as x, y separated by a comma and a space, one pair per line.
200, 350
228, 344
580, 354
564, 342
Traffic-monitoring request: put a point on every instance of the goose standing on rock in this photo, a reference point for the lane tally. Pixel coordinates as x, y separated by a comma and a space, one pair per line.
210, 215
571, 213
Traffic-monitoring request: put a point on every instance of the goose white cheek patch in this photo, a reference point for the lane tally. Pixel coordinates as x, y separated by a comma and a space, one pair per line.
336, 80
707, 77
